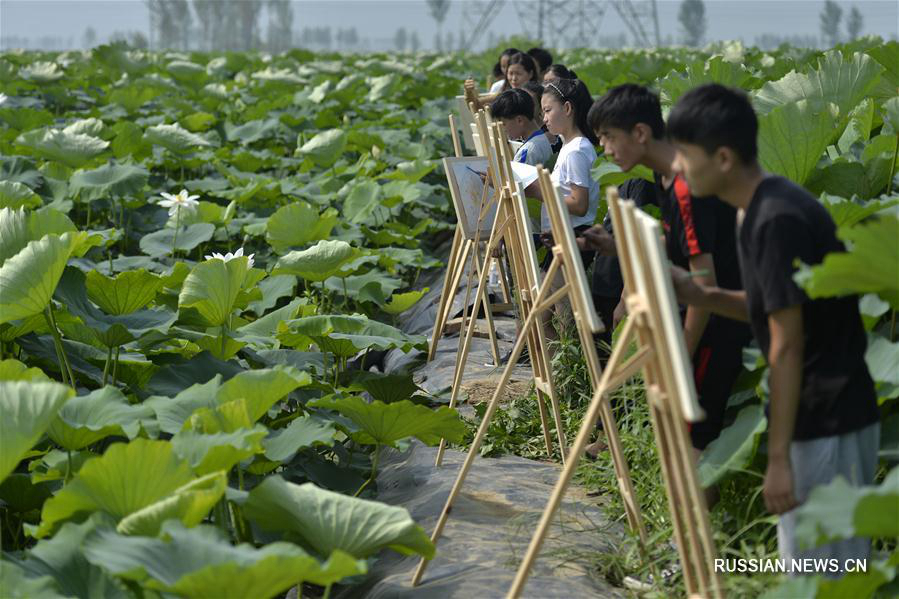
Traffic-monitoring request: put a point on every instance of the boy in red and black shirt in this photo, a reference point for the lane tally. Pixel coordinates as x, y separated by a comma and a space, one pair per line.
699, 236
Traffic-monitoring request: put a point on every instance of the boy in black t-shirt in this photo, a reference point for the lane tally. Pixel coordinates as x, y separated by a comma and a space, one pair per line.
823, 412
699, 236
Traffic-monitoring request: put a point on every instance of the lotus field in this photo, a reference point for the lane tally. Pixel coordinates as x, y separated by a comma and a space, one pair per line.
202, 255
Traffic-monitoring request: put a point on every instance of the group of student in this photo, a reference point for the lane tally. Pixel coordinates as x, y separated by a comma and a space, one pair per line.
734, 235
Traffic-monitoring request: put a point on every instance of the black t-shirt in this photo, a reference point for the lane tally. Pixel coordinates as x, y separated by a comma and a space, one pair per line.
607, 281
703, 225
784, 223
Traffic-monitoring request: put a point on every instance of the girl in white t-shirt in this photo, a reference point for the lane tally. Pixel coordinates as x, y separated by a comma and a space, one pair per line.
565, 104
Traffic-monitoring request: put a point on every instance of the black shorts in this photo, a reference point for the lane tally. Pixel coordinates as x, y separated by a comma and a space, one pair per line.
715, 370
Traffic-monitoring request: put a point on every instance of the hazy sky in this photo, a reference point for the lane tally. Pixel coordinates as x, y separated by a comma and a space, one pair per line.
378, 19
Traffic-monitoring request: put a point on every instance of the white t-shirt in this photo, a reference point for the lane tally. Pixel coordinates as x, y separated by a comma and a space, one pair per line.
573, 166
497, 86
535, 150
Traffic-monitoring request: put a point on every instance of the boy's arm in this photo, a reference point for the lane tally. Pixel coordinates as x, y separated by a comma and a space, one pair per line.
697, 317
726, 302
785, 380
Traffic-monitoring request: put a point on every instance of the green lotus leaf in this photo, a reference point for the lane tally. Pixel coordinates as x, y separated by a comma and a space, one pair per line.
175, 138
29, 278
374, 286
865, 268
305, 431
891, 112
319, 262
882, 358
714, 70
200, 563
735, 446
347, 335
17, 585
413, 170
325, 148
18, 227
227, 417
212, 287
13, 370
88, 418
258, 389
14, 195
792, 137
173, 412
848, 212
125, 479
62, 559
109, 329
90, 126
198, 121
363, 204
133, 96
385, 424
839, 510
187, 73
273, 289
388, 388
127, 292
108, 181
298, 224
326, 521
189, 504
129, 142
218, 451
400, 302
261, 332
159, 243
27, 409
252, 131
835, 80
263, 387
71, 149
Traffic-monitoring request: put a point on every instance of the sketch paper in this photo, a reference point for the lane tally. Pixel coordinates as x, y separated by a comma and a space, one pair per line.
466, 189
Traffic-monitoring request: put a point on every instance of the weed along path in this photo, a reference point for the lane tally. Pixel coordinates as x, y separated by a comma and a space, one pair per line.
500, 504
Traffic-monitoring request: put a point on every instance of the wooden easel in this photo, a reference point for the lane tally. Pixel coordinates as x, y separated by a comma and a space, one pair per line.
565, 261
511, 225
460, 251
669, 390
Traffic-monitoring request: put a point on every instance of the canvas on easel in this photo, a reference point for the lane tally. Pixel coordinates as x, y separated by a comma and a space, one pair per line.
661, 354
565, 260
466, 178
474, 204
507, 229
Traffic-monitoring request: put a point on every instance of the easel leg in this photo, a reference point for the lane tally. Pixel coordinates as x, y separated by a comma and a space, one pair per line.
504, 279
488, 312
455, 268
467, 333
577, 450
485, 424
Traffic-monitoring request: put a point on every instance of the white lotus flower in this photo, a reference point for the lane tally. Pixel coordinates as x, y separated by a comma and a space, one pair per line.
180, 200
229, 256
3, 99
